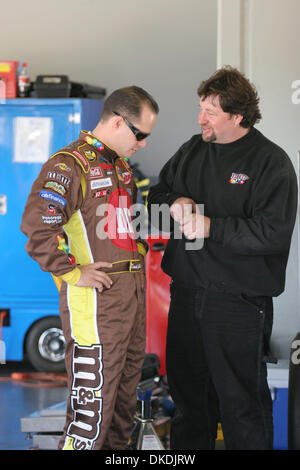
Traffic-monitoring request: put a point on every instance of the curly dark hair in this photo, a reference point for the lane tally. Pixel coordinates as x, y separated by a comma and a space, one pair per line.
236, 94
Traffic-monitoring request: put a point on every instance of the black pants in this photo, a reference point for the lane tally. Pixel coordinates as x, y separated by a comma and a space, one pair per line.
215, 348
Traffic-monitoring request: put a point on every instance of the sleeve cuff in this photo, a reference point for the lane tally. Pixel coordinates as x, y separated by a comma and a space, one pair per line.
72, 277
217, 229
171, 198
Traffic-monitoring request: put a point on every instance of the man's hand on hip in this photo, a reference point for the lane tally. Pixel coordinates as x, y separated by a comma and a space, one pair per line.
92, 277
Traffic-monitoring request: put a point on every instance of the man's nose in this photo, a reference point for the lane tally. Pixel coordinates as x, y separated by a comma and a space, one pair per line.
202, 118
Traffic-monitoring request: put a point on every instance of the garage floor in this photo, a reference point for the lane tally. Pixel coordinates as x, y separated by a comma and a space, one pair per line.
17, 401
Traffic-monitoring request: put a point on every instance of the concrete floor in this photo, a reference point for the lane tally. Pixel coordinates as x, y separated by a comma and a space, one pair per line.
18, 401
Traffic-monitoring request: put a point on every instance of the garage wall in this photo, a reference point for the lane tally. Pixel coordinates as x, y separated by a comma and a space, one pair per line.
261, 38
169, 47
165, 46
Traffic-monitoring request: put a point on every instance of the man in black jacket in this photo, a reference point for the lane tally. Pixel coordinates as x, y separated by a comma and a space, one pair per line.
221, 310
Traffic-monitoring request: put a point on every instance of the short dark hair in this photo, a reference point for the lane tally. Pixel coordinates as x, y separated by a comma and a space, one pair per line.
128, 102
236, 94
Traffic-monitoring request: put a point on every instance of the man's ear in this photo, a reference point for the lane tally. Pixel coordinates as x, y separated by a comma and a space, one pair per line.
116, 122
238, 119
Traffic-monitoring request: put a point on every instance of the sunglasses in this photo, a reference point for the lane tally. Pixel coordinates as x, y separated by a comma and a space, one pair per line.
138, 134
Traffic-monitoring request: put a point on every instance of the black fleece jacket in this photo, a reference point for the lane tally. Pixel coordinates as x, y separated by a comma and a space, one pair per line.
249, 190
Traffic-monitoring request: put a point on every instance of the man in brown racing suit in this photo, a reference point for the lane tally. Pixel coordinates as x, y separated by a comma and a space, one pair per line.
78, 223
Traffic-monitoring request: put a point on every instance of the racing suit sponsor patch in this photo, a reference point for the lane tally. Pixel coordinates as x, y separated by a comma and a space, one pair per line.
106, 166
62, 244
56, 187
101, 183
125, 177
93, 141
95, 171
52, 219
53, 175
101, 193
51, 208
81, 159
53, 197
90, 155
63, 166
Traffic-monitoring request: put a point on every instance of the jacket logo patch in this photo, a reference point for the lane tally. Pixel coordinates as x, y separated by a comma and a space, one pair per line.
106, 166
95, 142
96, 172
56, 187
54, 219
51, 208
101, 183
238, 178
53, 197
90, 155
59, 176
125, 177
101, 193
80, 158
63, 166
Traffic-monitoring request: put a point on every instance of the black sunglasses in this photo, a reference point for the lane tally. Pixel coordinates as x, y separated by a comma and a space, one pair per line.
138, 134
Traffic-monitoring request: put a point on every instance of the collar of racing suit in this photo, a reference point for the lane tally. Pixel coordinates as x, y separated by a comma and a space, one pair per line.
91, 139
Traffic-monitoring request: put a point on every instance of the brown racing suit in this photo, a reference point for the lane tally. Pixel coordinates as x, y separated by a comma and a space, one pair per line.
104, 332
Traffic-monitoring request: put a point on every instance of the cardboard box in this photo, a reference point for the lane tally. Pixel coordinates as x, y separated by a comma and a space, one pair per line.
8, 73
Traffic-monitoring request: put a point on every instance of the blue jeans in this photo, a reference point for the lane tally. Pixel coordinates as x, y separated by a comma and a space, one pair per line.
216, 343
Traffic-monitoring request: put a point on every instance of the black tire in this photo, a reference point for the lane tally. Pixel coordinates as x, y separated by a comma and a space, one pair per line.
45, 345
